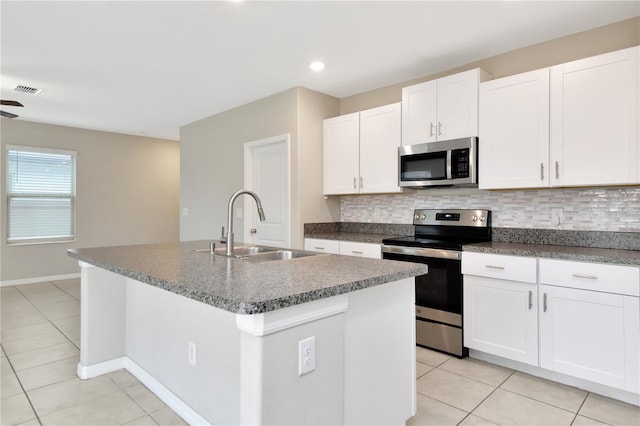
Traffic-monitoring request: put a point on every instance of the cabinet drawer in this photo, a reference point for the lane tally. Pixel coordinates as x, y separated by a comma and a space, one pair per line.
322, 246
591, 276
512, 268
350, 248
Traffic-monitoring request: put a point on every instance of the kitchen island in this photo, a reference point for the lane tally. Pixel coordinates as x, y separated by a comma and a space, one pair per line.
222, 340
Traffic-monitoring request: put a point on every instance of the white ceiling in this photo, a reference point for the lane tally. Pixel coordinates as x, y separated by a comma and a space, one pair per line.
149, 67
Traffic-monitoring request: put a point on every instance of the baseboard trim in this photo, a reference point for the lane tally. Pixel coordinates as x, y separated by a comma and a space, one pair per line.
35, 280
176, 404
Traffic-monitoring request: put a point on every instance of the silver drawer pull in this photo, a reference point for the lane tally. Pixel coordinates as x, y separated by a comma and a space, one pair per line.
530, 299
356, 252
494, 267
319, 248
588, 277
544, 302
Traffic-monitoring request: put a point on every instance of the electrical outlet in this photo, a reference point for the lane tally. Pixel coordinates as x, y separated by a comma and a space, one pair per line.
192, 353
306, 356
557, 216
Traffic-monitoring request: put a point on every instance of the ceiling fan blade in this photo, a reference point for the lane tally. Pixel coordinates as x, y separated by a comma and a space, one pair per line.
7, 114
11, 103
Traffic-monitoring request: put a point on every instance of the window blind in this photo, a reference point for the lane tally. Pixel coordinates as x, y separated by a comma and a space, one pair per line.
41, 195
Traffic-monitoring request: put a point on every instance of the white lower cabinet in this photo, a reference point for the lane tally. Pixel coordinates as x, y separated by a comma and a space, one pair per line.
500, 306
593, 335
349, 248
575, 318
322, 246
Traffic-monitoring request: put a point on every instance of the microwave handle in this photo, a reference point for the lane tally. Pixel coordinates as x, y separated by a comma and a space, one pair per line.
449, 174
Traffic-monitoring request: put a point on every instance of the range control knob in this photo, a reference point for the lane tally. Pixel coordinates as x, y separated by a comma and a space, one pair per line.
423, 216
474, 218
416, 217
483, 218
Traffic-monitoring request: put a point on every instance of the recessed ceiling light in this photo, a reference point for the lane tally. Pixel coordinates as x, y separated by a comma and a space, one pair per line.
317, 65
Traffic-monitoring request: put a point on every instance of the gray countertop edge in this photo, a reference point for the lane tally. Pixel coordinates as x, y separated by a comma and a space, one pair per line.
352, 236
581, 254
252, 307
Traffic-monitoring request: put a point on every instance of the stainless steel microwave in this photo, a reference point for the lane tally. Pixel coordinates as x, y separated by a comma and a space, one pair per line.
452, 162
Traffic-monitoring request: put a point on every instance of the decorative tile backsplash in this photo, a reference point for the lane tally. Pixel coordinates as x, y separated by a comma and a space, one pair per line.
589, 209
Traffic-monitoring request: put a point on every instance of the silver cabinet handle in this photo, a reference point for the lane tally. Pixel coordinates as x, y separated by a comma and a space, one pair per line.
530, 299
544, 302
361, 182
439, 128
253, 230
541, 171
431, 129
588, 277
493, 267
557, 170
357, 252
355, 182
319, 248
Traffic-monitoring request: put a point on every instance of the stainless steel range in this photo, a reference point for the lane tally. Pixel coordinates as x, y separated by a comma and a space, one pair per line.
437, 241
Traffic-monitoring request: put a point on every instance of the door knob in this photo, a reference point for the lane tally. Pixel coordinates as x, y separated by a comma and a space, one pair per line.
253, 230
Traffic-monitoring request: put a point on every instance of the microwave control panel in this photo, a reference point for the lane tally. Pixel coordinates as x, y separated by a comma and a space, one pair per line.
460, 163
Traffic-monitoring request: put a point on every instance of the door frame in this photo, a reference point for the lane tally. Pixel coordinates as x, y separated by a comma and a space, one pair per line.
249, 213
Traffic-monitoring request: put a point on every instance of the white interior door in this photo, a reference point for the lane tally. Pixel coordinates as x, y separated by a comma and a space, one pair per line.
267, 173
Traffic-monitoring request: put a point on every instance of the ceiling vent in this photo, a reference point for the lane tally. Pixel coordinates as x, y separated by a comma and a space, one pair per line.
27, 89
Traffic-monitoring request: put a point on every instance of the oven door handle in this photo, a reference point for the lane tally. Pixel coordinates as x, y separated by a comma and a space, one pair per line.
422, 252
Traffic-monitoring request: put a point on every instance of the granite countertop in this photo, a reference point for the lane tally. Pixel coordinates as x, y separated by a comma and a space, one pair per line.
583, 254
357, 237
240, 286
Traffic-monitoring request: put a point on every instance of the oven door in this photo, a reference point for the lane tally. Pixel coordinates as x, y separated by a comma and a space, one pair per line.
438, 293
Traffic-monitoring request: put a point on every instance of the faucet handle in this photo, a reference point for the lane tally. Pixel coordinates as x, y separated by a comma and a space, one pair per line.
223, 237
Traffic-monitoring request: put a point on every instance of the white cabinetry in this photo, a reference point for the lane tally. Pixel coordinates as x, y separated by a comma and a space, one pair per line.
446, 108
514, 131
322, 246
590, 322
574, 124
349, 248
500, 305
594, 120
361, 151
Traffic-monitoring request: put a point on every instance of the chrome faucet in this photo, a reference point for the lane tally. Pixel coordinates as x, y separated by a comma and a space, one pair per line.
229, 251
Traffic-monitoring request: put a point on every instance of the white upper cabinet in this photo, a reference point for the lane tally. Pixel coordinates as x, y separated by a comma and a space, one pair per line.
341, 148
594, 120
574, 124
513, 143
361, 151
446, 108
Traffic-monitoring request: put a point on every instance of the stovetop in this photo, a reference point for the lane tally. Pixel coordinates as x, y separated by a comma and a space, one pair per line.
446, 229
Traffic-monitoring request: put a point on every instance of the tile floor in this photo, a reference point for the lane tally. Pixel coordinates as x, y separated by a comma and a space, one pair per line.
40, 339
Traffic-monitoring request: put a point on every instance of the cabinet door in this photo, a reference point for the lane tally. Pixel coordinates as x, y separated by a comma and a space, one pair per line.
351, 248
594, 120
513, 149
590, 335
379, 141
419, 119
322, 246
457, 105
500, 318
341, 154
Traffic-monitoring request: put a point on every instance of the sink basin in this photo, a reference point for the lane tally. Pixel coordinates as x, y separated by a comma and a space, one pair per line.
275, 255
239, 251
242, 251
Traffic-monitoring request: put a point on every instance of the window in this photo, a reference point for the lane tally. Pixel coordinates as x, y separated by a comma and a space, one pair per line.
41, 195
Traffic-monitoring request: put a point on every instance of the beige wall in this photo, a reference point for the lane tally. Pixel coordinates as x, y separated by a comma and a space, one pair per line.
127, 193
213, 165
212, 161
612, 37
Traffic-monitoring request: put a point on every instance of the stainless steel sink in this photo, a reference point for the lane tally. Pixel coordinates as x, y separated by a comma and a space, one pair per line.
275, 255
242, 251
